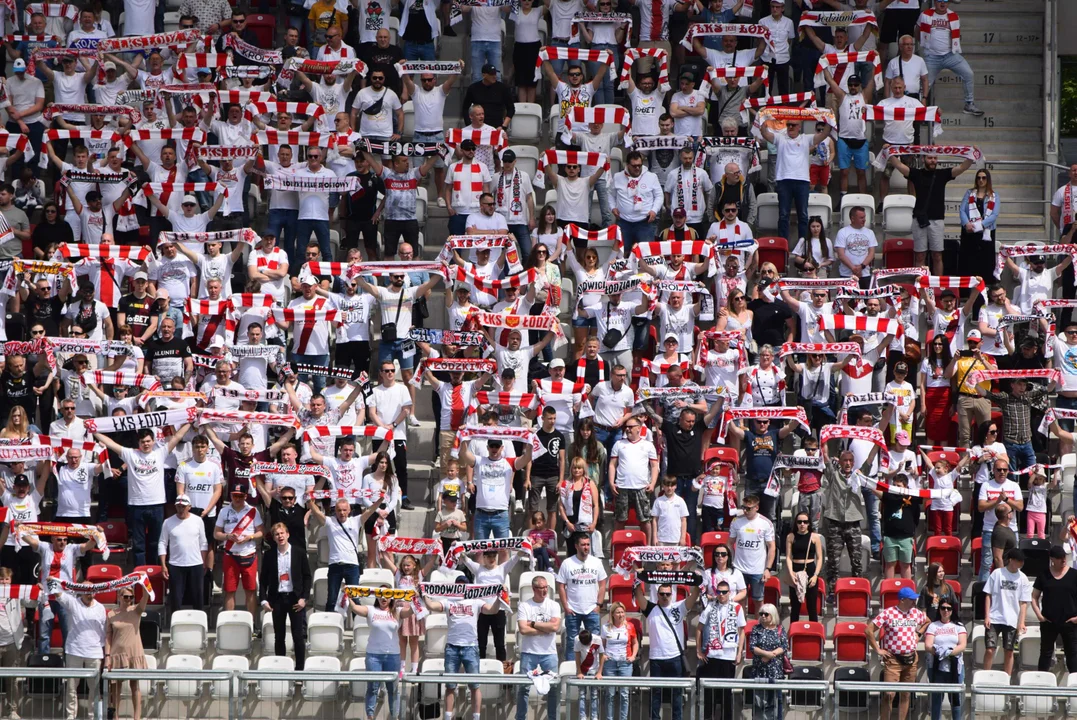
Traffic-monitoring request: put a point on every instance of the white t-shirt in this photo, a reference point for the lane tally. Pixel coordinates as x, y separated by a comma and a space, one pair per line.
991, 314
493, 483
463, 616
429, 109
1034, 287
227, 521
947, 637
1007, 590
1066, 360
856, 244
379, 124
646, 109
343, 539
669, 512
183, 541
199, 480
615, 641
898, 132
545, 611
750, 538
610, 404
22, 510
991, 490
689, 124
664, 644
73, 488
910, 70
486, 23
793, 156
851, 117
581, 581
145, 475
85, 627
314, 205
388, 401
384, 632
633, 463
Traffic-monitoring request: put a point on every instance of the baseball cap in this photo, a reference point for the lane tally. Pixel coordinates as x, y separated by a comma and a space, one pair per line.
902, 438
489, 69
901, 367
670, 336
1057, 551
947, 293
1034, 259
448, 495
110, 65
493, 442
21, 479
240, 488
688, 76
307, 279
189, 200
183, 500
468, 144
557, 363
141, 275
679, 213
508, 156
974, 334
907, 593
19, 65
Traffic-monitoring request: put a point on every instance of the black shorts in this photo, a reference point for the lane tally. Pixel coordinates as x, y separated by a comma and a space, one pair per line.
897, 23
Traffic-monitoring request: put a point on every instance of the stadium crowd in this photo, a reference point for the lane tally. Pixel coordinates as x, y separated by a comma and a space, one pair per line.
658, 443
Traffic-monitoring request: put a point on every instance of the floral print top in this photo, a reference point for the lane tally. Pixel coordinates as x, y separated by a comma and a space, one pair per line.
768, 639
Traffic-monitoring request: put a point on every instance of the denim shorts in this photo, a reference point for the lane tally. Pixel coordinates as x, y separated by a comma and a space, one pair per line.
847, 155
466, 655
587, 322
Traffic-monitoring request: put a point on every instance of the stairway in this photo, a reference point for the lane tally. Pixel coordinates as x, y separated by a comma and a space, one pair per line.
1003, 43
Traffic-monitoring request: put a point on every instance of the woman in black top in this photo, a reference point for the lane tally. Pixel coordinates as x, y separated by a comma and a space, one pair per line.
803, 556
1054, 600
936, 590
53, 229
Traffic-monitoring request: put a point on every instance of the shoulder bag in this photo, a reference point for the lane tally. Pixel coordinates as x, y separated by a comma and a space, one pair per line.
388, 330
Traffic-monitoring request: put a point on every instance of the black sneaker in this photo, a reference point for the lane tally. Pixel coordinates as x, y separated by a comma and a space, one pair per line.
406, 504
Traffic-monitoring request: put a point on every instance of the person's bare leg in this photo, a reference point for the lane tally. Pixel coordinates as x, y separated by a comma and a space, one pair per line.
1007, 662
989, 658
136, 701
862, 180
230, 601
884, 706
843, 175
252, 601
889, 570
919, 259
903, 706
936, 263
579, 340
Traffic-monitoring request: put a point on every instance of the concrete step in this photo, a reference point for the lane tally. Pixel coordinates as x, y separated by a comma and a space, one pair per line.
1033, 207
1014, 44
1019, 88
1006, 220
993, 63
1010, 175
996, 115
1009, 143
995, 7
956, 190
974, 24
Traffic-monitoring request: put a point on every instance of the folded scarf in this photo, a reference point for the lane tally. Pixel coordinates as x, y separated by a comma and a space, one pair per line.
305, 183
697, 30
409, 546
553, 52
370, 431
272, 468
447, 337
657, 553
824, 348
466, 547
133, 579
584, 116
861, 323
952, 282
568, 157
844, 58
660, 56
231, 41
141, 421
598, 17
431, 67
968, 152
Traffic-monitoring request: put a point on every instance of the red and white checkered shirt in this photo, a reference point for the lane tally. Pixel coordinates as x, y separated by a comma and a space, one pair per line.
899, 629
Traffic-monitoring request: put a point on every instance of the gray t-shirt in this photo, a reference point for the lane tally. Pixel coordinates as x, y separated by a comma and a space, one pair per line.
17, 219
1004, 538
24, 93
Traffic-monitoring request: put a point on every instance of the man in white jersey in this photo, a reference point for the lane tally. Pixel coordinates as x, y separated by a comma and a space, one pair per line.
268, 265
647, 104
428, 100
940, 40
908, 66
896, 132
184, 556
490, 483
852, 144
793, 177
539, 621
855, 247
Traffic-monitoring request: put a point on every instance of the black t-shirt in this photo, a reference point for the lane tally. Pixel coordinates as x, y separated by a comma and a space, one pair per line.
1003, 538
900, 514
684, 449
46, 311
546, 466
385, 60
138, 312
768, 321
166, 358
17, 391
1059, 600
590, 372
361, 204
418, 29
930, 191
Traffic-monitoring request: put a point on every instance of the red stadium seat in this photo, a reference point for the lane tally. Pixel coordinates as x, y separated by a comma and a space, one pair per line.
806, 640
709, 542
955, 585
101, 573
772, 591
623, 539
854, 597
722, 454
621, 591
774, 250
115, 532
157, 582
264, 26
850, 642
976, 548
889, 589
897, 253
638, 625
944, 550
632, 520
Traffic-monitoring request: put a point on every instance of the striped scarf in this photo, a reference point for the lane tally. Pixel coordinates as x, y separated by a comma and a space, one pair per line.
927, 21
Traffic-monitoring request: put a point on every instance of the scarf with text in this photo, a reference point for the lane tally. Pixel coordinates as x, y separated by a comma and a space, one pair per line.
135, 579
434, 336
221, 152
568, 157
461, 591
395, 267
141, 421
929, 17
19, 453
838, 18
272, 468
67, 530
207, 416
782, 115
498, 432
243, 235
698, 30
824, 348
362, 591
432, 67
318, 67
639, 554
553, 52
977, 220
1012, 251
661, 58
880, 292
968, 152
106, 377
251, 394
263, 56
402, 148
177, 39
774, 101
483, 242
670, 577
864, 400
610, 18
304, 183
467, 547
734, 414
799, 284
464, 365
978, 376
409, 545
549, 323
584, 116
255, 72
643, 143
56, 108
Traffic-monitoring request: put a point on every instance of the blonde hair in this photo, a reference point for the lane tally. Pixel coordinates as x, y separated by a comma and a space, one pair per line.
615, 606
771, 611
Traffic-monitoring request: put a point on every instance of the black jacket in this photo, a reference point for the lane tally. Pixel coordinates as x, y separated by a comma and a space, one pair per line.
301, 580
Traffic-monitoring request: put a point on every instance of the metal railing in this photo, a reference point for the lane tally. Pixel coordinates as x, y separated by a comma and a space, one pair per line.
983, 699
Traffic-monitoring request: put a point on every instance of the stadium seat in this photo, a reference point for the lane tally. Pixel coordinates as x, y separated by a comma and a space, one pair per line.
621, 590
621, 540
1028, 646
235, 663
264, 26
806, 640
150, 631
188, 631
321, 585
1036, 556
850, 642
527, 156
898, 253
848, 700
772, 591
709, 542
976, 551
321, 690
567, 668
862, 200
276, 690
897, 213
946, 551
526, 124
360, 634
431, 692
854, 597
1040, 704
409, 120
103, 573
235, 632
820, 204
524, 585
774, 250
748, 625
767, 214
183, 689
325, 633
553, 118
976, 642
991, 704
889, 589
437, 629
155, 573
357, 690
422, 205
490, 666
617, 161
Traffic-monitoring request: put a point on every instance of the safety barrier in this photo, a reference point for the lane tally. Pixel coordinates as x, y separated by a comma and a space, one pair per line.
241, 694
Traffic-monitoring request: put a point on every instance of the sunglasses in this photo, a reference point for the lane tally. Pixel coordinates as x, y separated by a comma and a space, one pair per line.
945, 608
721, 554
803, 522
665, 594
723, 592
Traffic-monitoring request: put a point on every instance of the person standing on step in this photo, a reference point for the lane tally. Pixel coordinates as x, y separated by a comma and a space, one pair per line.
940, 39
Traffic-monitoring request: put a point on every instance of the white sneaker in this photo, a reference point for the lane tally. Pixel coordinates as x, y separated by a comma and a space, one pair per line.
413, 421
519, 506
441, 202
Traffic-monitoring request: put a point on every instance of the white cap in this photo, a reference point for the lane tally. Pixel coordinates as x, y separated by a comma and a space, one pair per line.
19, 65
557, 363
973, 334
110, 65
189, 200
306, 278
183, 500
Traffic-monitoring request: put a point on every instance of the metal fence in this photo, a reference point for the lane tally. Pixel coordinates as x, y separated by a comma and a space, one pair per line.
42, 693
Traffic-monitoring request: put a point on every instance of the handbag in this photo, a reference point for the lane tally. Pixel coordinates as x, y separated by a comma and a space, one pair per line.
787, 663
613, 336
388, 330
676, 638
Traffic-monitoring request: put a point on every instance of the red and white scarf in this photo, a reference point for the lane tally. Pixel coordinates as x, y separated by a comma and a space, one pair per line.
611, 234
498, 432
639, 554
568, 157
207, 416
969, 152
782, 115
553, 52
197, 135
588, 502
803, 348
294, 138
464, 365
521, 322
761, 413
927, 19
51, 135
584, 116
135, 253
132, 580
319, 67
52, 110
466, 547
886, 113
838, 18
433, 67
672, 247
251, 394
862, 323
221, 152
272, 468
244, 235
885, 487
370, 431
409, 546
486, 136
106, 377
1012, 251
977, 220
798, 284
141, 421
504, 399
25, 593
696, 30
187, 187
978, 376
50, 10
241, 527
714, 74
174, 39
265, 56
67, 530
660, 56
842, 60
610, 18
25, 453
952, 282
857, 432
202, 60
310, 110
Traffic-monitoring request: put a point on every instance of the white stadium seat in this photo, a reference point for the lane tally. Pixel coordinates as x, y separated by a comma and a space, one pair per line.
991, 704
325, 633
897, 213
321, 690
235, 632
1042, 704
526, 124
188, 631
856, 199
276, 690
183, 689
238, 663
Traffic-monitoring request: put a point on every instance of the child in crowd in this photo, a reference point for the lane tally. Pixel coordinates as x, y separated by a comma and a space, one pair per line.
943, 476
449, 523
1036, 509
542, 540
669, 516
587, 650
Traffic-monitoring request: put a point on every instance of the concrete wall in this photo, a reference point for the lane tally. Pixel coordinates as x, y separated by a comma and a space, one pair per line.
1067, 17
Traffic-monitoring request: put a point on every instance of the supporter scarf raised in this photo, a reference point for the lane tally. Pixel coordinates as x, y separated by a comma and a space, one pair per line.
523, 322
56, 108
1021, 319
714, 74
597, 17
670, 577
393, 267
837, 348
255, 351
877, 276
899, 114
68, 530
673, 247
220, 152
670, 393
402, 148
978, 376
643, 143
207, 416
611, 234
370, 431
25, 453
856, 432
568, 157
838, 18
486, 136
698, 30
272, 468
483, 242
255, 72
831, 60
184, 188
864, 400
952, 282
409, 545
880, 292
323, 370
310, 110
862, 323
885, 487
141, 421
447, 337
106, 377
194, 134
244, 235
553, 52
464, 365
173, 395
657, 553
366, 494
783, 115
133, 579
135, 253
796, 462
504, 399
303, 183
253, 53
32, 347
1027, 250
466, 547
584, 116
252, 394
968, 152
362, 591
774, 101
461, 591
51, 135
798, 284
774, 412
432, 67
498, 432
25, 593
661, 58
318, 67
175, 39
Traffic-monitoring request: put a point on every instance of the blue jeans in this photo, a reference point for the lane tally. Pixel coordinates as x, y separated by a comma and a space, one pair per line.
45, 634
573, 623
666, 668
320, 229
608, 438
548, 663
589, 702
617, 668
389, 662
483, 52
604, 96
523, 238
282, 224
388, 352
419, 51
955, 63
790, 191
955, 698
603, 195
766, 704
318, 381
349, 575
986, 557
875, 519
1021, 455
634, 231
756, 586
691, 497
494, 524
144, 525
457, 655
